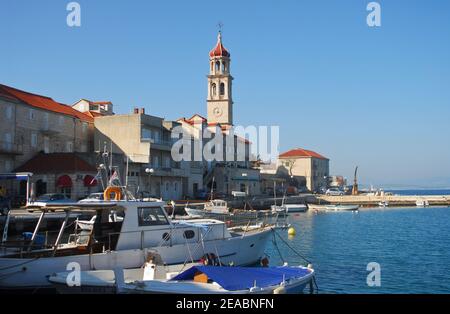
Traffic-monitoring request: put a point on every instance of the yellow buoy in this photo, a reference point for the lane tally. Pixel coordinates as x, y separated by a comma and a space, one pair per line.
291, 231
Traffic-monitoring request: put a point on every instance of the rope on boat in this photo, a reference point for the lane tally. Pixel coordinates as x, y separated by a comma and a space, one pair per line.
274, 241
20, 264
289, 246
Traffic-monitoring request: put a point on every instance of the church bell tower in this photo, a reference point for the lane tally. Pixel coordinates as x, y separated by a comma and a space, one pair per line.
220, 103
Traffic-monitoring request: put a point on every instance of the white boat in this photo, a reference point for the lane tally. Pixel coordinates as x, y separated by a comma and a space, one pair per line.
125, 244
290, 208
219, 207
383, 204
319, 208
422, 202
104, 281
225, 280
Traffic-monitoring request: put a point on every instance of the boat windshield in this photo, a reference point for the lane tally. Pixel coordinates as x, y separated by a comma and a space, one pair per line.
151, 216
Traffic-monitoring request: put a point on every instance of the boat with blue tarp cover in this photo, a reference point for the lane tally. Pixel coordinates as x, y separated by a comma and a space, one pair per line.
227, 280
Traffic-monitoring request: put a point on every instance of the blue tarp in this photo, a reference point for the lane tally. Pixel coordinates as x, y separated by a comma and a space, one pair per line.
241, 278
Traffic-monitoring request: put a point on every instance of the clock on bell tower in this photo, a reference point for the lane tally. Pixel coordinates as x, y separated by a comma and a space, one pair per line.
220, 103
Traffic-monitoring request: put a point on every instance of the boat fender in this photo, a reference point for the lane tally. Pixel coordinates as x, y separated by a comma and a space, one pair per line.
279, 290
265, 262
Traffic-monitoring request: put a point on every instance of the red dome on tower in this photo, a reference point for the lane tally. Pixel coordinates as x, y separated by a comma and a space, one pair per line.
219, 50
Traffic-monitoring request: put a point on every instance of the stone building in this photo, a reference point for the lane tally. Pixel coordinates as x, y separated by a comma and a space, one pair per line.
307, 165
33, 125
146, 141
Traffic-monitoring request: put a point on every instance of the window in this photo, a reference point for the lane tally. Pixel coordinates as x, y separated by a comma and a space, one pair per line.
31, 114
84, 127
146, 133
69, 147
175, 187
46, 121
151, 216
33, 140
156, 136
84, 148
156, 162
189, 234
167, 187
46, 144
166, 236
8, 165
213, 89
8, 142
9, 112
167, 162
222, 89
218, 66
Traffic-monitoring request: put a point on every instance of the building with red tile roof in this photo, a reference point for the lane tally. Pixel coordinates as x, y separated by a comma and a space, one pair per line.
304, 165
31, 124
43, 102
301, 153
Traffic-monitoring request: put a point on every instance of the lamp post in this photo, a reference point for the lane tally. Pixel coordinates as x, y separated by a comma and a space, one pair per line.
150, 171
247, 187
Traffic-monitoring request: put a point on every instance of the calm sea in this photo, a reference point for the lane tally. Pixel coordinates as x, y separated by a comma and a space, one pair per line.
411, 245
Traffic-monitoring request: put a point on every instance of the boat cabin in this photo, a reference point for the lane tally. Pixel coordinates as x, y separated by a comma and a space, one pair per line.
117, 225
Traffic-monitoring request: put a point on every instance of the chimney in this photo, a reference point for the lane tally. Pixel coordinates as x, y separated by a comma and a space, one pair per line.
142, 110
136, 110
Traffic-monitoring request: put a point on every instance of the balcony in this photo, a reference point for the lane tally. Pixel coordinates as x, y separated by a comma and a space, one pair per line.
7, 148
159, 144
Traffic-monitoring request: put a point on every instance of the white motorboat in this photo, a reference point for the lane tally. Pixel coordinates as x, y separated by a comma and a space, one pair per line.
422, 202
225, 280
219, 207
383, 204
319, 208
125, 244
290, 208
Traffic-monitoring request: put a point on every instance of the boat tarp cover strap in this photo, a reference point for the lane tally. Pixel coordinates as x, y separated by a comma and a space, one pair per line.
242, 278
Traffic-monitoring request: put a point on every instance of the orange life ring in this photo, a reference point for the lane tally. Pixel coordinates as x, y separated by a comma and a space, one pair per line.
112, 189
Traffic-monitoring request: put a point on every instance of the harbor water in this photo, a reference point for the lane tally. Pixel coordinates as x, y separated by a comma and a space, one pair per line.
411, 245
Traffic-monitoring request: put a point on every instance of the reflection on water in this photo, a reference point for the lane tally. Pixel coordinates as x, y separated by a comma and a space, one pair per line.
412, 245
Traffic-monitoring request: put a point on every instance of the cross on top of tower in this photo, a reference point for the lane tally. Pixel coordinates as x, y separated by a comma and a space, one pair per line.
219, 50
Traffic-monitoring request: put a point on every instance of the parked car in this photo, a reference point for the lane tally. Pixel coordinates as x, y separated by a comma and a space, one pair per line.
5, 205
92, 197
52, 198
334, 192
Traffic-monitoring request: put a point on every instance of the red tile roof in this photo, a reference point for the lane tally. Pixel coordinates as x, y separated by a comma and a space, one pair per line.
219, 50
301, 153
100, 102
44, 102
197, 116
56, 163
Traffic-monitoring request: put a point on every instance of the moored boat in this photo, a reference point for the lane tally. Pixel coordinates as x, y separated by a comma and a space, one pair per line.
319, 208
226, 280
125, 243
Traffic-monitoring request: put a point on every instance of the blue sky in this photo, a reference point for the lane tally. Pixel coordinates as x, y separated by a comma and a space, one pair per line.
377, 98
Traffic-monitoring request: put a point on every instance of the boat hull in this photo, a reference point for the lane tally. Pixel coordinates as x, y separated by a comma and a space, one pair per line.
30, 273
